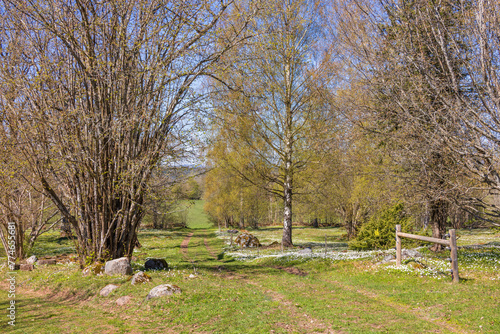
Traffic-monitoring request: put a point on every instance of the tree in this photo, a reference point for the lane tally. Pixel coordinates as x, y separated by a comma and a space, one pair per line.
406, 53
94, 92
27, 212
228, 198
274, 106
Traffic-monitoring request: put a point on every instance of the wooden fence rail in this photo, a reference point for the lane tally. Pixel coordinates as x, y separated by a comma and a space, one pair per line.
452, 243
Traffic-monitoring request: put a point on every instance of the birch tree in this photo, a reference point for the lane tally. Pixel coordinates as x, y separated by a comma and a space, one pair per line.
277, 83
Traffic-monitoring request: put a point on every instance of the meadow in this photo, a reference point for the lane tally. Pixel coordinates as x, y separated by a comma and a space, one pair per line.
268, 290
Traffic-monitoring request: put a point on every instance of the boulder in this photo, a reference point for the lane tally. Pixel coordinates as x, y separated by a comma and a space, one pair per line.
273, 244
31, 260
245, 240
107, 289
163, 290
26, 267
156, 264
140, 277
410, 253
388, 258
119, 266
123, 300
47, 261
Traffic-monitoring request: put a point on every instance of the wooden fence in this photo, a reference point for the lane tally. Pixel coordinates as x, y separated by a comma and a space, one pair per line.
451, 243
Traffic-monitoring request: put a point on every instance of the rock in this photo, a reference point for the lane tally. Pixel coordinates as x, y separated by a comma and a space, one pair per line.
156, 264
31, 260
47, 262
108, 289
123, 300
273, 244
388, 258
247, 240
26, 267
192, 276
119, 266
140, 277
410, 253
305, 251
96, 268
163, 290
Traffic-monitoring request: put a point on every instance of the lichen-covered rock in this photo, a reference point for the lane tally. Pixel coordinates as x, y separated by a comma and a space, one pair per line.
245, 240
140, 277
96, 268
163, 290
108, 289
406, 253
156, 264
119, 266
31, 260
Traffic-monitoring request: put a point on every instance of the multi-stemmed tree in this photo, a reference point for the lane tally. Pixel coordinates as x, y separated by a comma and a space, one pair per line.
94, 92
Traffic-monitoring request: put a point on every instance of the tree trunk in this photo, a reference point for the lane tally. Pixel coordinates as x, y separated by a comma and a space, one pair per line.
155, 216
438, 216
288, 189
287, 219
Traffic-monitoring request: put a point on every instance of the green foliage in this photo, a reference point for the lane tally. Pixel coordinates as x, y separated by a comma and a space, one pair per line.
379, 231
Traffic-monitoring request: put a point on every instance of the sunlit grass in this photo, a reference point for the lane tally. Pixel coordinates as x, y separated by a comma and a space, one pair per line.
231, 290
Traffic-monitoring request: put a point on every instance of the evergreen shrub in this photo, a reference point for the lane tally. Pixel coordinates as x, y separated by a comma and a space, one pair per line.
379, 232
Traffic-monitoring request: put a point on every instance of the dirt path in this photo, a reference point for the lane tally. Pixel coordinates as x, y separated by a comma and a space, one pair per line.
209, 250
303, 322
184, 247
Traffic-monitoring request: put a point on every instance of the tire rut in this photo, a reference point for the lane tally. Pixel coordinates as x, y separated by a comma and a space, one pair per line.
184, 247
304, 322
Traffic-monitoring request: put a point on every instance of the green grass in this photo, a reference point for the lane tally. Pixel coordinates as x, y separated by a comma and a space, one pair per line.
260, 295
197, 218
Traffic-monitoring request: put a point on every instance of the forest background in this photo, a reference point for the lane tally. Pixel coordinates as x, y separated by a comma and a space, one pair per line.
297, 112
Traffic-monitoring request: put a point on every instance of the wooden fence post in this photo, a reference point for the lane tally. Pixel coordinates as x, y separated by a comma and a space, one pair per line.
454, 256
398, 246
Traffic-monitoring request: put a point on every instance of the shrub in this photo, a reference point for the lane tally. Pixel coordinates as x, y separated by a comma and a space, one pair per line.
379, 231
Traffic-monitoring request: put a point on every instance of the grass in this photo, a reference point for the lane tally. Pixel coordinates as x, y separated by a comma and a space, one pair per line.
197, 218
286, 293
